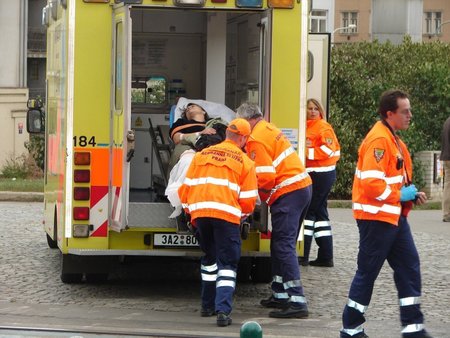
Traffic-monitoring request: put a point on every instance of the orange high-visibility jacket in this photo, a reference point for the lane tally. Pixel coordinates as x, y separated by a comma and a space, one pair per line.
278, 166
322, 146
220, 183
377, 181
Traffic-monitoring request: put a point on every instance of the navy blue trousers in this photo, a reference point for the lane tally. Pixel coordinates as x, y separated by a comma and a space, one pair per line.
221, 242
317, 223
380, 241
288, 211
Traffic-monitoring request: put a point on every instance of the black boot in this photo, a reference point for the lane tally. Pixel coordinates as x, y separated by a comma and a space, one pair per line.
324, 263
292, 311
223, 319
275, 303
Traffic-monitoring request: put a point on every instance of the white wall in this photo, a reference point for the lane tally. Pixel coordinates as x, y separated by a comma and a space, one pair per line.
12, 42
13, 94
13, 103
216, 54
414, 23
391, 20
9, 40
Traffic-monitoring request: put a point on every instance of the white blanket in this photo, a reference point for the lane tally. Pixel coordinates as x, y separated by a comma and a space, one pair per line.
176, 178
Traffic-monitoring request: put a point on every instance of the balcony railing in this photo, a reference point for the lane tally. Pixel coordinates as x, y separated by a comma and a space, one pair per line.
37, 40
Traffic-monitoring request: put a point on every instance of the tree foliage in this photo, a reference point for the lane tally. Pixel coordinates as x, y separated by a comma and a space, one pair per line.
360, 72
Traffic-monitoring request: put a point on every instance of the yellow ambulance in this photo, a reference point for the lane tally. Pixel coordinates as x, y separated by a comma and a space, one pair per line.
114, 71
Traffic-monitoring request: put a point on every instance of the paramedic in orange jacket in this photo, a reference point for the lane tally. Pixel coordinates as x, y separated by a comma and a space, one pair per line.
383, 194
220, 190
322, 154
285, 186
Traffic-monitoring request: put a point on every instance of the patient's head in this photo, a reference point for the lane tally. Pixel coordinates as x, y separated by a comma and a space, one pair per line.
195, 112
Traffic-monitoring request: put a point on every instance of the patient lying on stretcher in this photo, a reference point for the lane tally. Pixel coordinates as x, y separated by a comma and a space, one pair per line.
187, 129
194, 130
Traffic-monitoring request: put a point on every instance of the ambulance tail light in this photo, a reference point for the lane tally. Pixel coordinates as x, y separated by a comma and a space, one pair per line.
280, 3
81, 213
81, 176
81, 193
82, 158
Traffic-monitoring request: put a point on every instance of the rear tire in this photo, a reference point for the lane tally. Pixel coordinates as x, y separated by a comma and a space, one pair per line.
244, 269
96, 277
71, 278
95, 268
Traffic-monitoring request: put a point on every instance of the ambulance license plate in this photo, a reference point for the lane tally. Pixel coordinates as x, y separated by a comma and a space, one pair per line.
174, 240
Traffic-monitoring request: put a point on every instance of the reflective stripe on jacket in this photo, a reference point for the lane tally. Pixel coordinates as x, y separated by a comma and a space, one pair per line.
278, 167
377, 181
322, 146
220, 183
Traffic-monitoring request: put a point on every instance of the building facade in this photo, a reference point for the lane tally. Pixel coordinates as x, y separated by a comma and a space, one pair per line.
355, 14
13, 87
36, 49
382, 20
22, 71
436, 20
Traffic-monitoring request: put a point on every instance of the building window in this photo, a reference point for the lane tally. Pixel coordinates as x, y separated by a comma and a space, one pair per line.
151, 91
349, 18
34, 70
318, 21
432, 22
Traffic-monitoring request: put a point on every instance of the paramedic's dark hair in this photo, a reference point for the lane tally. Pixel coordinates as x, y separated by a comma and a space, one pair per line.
388, 101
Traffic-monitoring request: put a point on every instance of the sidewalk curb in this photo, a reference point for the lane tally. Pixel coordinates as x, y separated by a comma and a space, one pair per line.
13, 196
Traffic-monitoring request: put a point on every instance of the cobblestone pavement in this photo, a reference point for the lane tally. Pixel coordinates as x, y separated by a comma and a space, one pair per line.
29, 276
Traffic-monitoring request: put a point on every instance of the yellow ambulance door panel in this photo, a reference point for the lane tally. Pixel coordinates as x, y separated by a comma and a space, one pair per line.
120, 116
264, 63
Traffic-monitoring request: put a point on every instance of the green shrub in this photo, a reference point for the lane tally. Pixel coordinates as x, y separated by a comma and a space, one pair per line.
36, 148
360, 72
16, 167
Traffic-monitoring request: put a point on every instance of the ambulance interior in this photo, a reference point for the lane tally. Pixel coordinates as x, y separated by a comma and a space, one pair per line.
214, 56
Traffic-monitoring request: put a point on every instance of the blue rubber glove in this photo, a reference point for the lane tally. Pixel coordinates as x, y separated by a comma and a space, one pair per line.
408, 193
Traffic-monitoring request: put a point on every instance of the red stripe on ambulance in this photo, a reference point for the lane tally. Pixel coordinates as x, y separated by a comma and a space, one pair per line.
99, 211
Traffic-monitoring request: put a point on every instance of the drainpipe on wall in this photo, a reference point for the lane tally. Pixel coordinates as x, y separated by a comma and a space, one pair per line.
23, 31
